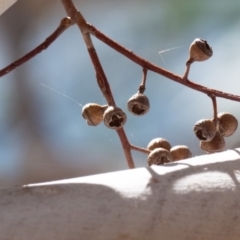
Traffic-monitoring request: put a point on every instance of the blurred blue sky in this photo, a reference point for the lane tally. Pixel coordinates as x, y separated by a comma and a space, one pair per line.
43, 136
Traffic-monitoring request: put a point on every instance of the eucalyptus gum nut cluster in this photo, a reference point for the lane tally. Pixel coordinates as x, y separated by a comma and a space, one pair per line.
180, 152
199, 50
138, 104
159, 156
227, 124
93, 113
165, 153
205, 129
217, 144
114, 117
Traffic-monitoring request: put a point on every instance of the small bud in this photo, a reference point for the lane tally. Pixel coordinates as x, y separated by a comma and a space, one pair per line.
159, 156
180, 152
217, 144
66, 21
205, 129
138, 104
114, 117
159, 143
227, 124
93, 113
199, 50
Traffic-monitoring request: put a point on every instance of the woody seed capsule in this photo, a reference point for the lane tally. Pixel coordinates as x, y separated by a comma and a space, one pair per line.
227, 124
199, 50
205, 129
159, 156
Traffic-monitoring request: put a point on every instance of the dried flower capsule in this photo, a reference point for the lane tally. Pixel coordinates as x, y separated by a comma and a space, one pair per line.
159, 143
114, 117
93, 113
180, 152
205, 129
227, 124
199, 50
159, 156
138, 104
217, 144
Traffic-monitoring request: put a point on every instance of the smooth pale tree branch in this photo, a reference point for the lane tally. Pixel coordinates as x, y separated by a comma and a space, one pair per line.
196, 198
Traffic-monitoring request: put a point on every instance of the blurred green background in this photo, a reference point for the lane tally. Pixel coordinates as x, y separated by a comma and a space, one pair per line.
44, 137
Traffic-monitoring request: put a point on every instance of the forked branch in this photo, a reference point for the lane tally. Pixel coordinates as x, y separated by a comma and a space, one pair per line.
64, 24
75, 17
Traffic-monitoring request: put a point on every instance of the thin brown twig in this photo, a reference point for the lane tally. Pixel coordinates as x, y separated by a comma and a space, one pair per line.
140, 149
142, 87
214, 103
126, 147
88, 29
185, 75
148, 65
100, 75
64, 24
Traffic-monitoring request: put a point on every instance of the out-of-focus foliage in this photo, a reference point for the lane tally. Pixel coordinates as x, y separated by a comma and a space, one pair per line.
44, 137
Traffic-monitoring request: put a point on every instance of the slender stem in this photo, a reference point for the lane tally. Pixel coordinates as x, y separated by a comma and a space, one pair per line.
188, 65
64, 24
101, 77
139, 149
126, 147
142, 87
214, 103
148, 65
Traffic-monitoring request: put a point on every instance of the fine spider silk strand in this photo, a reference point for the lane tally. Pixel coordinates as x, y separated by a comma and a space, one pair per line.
64, 95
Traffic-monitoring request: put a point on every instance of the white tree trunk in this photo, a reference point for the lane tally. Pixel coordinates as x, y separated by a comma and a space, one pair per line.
5, 4
197, 198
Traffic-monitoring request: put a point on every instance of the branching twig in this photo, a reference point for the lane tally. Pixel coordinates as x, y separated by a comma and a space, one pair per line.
64, 24
101, 77
148, 65
126, 147
139, 149
86, 29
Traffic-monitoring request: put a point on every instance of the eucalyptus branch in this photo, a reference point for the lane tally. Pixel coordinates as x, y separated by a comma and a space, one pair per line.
148, 65
64, 24
100, 75
138, 103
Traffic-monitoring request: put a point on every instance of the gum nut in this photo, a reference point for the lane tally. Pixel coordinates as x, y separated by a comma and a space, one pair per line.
217, 144
138, 104
93, 113
159, 143
200, 50
227, 124
205, 129
180, 152
114, 117
159, 156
